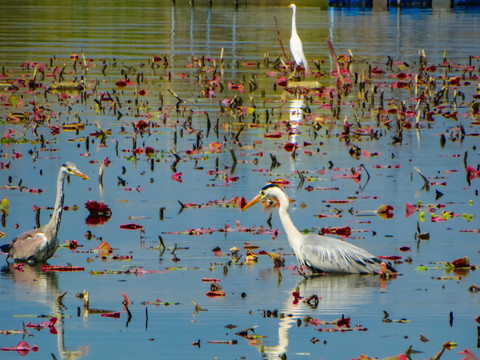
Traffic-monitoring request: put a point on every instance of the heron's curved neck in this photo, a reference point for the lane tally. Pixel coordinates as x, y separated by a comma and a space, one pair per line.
54, 222
287, 223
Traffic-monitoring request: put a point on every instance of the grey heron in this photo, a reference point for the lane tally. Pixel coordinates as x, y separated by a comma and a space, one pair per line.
39, 245
320, 254
296, 46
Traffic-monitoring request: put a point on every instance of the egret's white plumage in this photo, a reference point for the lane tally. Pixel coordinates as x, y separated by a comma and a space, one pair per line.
320, 254
296, 46
40, 244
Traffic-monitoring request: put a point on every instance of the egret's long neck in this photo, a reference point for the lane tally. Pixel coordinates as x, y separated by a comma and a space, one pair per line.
290, 229
294, 25
54, 222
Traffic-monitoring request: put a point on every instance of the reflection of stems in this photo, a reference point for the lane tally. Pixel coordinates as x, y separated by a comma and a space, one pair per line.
234, 158
302, 179
177, 160
60, 299
363, 166
146, 318
100, 178
129, 317
197, 308
162, 246
426, 182
368, 177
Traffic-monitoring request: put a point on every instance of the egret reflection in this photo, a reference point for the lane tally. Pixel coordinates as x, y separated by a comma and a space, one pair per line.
295, 119
296, 114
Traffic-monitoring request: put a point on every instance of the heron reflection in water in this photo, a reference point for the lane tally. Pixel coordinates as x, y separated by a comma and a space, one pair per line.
340, 294
31, 284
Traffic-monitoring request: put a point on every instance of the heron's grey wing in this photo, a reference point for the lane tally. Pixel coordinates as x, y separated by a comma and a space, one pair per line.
330, 255
28, 245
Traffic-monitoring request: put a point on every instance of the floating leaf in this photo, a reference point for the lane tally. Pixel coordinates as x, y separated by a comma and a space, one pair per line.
4, 206
103, 249
177, 177
423, 339
22, 348
290, 147
131, 226
158, 302
60, 268
447, 278
422, 268
389, 257
341, 231
385, 212
449, 345
114, 315
273, 135
227, 342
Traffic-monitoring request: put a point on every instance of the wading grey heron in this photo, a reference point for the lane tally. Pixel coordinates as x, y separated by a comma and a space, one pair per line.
320, 254
40, 244
296, 46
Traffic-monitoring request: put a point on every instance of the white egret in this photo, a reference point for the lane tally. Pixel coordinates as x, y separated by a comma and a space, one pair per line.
40, 244
320, 254
296, 46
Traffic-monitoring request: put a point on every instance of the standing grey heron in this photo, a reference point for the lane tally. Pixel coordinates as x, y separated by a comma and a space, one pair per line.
320, 254
40, 244
296, 46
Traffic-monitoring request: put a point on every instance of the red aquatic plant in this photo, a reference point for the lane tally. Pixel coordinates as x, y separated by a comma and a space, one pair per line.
58, 268
296, 297
141, 125
99, 213
341, 231
114, 315
45, 324
343, 322
468, 355
410, 209
282, 81
177, 177
472, 173
290, 147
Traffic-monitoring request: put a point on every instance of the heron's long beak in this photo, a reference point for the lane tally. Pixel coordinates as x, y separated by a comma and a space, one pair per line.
80, 174
253, 201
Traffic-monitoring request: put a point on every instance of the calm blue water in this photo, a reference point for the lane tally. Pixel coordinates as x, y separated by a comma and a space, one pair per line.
119, 40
